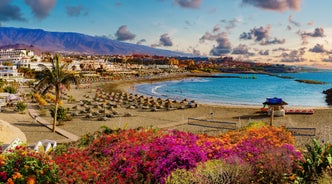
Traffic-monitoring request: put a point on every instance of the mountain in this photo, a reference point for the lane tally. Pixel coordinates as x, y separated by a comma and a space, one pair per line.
70, 42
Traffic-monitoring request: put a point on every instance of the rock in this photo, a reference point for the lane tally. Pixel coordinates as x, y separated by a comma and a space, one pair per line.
328, 98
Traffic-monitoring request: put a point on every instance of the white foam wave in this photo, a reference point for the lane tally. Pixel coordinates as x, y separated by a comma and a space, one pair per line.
154, 90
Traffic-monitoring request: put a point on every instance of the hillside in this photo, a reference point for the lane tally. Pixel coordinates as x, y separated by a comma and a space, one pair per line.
75, 43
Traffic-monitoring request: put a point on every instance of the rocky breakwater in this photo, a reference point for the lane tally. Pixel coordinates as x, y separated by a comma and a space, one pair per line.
328, 97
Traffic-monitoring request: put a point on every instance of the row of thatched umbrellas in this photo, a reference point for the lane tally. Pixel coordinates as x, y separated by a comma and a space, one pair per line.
103, 104
135, 101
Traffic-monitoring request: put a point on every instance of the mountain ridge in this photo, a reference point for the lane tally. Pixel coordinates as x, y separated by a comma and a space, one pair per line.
75, 43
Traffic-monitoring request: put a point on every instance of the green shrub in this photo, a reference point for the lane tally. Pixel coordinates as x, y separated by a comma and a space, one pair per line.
318, 161
10, 89
61, 113
212, 171
21, 106
256, 124
181, 176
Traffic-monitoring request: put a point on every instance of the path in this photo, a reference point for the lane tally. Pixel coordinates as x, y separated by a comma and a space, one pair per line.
34, 115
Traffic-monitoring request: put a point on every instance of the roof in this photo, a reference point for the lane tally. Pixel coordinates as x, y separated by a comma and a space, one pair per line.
274, 101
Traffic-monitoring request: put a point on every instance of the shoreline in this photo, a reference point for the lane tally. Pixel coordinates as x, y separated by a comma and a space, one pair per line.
128, 86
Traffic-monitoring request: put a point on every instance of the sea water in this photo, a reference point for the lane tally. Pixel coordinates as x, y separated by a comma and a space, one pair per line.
248, 89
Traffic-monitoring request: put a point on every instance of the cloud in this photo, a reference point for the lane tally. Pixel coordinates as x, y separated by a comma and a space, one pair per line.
122, 34
329, 59
311, 23
274, 5
216, 28
280, 49
41, 8
208, 36
273, 41
223, 47
243, 50
264, 52
231, 23
291, 20
188, 3
165, 40
256, 33
140, 42
261, 35
318, 32
318, 48
293, 55
75, 11
10, 12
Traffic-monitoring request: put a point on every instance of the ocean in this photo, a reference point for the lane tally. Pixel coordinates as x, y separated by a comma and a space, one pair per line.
249, 89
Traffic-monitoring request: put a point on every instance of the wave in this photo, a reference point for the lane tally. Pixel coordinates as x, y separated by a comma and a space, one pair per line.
155, 88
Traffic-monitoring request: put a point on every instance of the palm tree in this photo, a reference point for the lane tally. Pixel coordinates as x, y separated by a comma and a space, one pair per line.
55, 77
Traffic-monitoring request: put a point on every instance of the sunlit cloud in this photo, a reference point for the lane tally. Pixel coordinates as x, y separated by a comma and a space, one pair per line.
243, 50
257, 34
272, 41
275, 5
318, 48
293, 55
264, 52
223, 47
318, 32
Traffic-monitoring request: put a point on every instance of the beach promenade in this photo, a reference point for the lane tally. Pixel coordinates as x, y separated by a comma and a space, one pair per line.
71, 137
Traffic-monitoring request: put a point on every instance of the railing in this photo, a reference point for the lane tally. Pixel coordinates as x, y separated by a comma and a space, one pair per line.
302, 131
212, 123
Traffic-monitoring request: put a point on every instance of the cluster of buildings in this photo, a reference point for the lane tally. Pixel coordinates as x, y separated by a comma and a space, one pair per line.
11, 60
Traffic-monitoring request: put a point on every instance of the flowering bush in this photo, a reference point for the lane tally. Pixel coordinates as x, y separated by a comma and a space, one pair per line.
269, 151
24, 165
39, 99
151, 155
77, 166
52, 98
265, 154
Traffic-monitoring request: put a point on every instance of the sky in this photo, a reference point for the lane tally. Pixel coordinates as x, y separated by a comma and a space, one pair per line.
296, 32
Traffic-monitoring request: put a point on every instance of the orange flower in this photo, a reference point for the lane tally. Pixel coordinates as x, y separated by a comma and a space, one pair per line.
2, 163
292, 177
31, 180
17, 175
10, 181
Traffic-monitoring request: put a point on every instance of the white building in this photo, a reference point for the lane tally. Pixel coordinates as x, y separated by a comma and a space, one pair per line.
10, 73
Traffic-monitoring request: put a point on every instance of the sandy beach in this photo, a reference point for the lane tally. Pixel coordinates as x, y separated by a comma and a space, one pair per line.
178, 119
